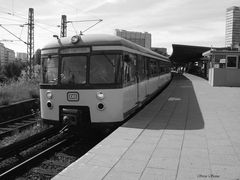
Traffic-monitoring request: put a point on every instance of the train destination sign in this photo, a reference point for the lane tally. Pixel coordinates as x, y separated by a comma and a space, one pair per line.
75, 50
49, 51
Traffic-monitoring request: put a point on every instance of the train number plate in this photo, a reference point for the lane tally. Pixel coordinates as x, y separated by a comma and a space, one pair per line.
73, 96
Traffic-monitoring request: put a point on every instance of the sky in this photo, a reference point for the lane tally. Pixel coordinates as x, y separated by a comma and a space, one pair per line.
188, 22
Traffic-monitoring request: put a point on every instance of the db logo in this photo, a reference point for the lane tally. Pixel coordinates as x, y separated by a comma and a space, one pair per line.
73, 96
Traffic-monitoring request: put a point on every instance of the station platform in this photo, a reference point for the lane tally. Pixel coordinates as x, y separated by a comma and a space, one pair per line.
189, 131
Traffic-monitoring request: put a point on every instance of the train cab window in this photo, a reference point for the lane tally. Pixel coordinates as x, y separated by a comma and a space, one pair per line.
103, 68
50, 69
73, 70
129, 67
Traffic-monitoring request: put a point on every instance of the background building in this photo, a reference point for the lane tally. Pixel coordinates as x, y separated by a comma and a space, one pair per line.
6, 55
162, 51
9, 55
21, 56
232, 27
2, 55
143, 39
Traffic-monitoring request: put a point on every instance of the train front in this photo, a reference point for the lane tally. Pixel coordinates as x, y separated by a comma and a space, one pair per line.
80, 86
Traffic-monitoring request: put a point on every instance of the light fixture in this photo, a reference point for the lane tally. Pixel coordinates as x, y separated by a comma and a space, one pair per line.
75, 39
49, 95
100, 106
100, 95
49, 105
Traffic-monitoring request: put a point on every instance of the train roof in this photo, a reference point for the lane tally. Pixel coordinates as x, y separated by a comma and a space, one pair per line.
101, 40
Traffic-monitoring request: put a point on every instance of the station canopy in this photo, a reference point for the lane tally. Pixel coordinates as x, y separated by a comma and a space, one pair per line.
183, 54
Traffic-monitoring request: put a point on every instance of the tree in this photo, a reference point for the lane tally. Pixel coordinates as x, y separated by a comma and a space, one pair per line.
37, 57
12, 70
2, 76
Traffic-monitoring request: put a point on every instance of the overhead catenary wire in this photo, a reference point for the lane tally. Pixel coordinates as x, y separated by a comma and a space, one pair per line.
21, 16
8, 40
89, 20
100, 20
85, 20
75, 8
13, 34
74, 28
11, 19
21, 25
45, 29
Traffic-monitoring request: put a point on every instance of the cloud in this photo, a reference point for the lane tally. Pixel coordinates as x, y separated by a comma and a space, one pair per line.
169, 21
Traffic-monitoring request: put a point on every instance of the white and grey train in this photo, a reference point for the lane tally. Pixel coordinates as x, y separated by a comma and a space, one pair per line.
98, 79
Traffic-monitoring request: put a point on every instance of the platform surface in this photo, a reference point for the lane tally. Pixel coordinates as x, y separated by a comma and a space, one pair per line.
190, 131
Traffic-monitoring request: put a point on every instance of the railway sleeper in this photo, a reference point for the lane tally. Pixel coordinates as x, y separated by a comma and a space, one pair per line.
55, 163
42, 171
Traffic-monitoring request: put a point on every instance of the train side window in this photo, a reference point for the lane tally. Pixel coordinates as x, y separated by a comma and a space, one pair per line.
158, 68
50, 69
129, 68
152, 68
161, 68
238, 62
103, 68
146, 67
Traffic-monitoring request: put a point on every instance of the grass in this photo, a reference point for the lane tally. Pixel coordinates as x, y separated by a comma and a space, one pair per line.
20, 90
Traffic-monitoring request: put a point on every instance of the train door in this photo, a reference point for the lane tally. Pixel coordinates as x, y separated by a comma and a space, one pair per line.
142, 78
130, 89
148, 84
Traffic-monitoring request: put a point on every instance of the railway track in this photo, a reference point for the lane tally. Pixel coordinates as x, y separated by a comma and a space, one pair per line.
18, 155
19, 124
59, 152
45, 153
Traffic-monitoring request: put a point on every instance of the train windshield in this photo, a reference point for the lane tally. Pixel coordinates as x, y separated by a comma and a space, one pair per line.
50, 69
73, 70
103, 68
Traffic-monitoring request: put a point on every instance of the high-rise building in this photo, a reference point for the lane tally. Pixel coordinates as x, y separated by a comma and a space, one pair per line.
142, 39
232, 27
21, 56
2, 55
6, 55
9, 55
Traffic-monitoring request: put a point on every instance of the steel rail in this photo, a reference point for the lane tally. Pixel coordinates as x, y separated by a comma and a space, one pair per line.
15, 148
17, 119
17, 127
14, 170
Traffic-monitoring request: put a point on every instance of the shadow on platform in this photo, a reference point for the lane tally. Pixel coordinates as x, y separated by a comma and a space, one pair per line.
180, 111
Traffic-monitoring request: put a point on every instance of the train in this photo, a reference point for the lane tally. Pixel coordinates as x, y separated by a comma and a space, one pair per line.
98, 80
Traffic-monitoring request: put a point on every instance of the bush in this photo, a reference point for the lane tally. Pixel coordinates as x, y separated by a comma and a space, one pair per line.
3, 78
20, 90
4, 98
12, 70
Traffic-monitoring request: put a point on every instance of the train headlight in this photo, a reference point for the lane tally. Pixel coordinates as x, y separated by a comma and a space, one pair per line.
75, 39
49, 95
100, 95
100, 106
49, 105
